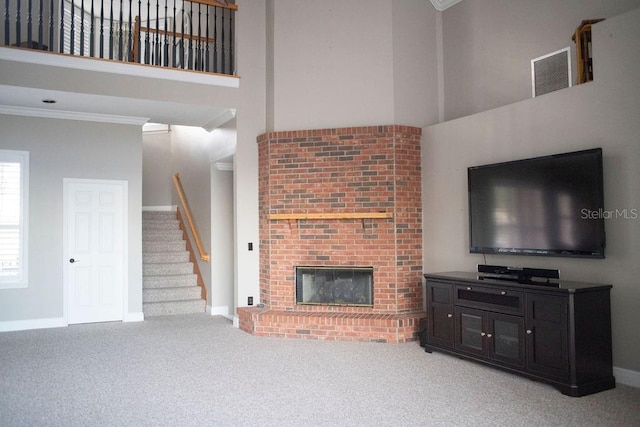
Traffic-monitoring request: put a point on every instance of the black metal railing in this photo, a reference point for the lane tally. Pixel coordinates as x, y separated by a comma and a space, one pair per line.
191, 35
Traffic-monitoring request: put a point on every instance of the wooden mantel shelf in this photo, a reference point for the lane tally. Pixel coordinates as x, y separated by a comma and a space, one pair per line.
344, 215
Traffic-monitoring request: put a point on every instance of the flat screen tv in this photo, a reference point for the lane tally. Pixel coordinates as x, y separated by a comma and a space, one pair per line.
546, 206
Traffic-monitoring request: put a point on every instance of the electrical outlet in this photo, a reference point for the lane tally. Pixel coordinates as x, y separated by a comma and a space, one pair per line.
250, 246
250, 300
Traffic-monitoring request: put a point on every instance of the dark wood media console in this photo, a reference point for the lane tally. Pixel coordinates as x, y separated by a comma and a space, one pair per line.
558, 333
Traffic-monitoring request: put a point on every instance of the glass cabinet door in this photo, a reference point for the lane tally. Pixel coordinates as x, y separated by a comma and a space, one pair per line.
470, 330
506, 338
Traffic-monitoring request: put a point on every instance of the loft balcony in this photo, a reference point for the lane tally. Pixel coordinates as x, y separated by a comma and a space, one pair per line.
126, 61
196, 35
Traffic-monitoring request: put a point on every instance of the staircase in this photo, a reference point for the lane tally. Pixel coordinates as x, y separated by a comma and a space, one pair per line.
170, 285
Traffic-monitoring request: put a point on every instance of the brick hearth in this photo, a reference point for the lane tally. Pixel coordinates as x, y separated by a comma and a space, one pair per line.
371, 172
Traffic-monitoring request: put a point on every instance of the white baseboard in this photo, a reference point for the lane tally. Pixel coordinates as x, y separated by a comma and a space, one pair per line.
23, 325
55, 322
160, 208
133, 317
627, 377
221, 310
236, 322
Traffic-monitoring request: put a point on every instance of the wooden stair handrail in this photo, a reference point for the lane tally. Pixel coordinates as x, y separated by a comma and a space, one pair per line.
222, 4
175, 34
138, 30
185, 206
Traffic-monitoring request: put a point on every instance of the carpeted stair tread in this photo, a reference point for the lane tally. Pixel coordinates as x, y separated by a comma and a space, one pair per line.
161, 224
161, 235
159, 215
175, 280
166, 246
165, 257
161, 269
170, 294
173, 307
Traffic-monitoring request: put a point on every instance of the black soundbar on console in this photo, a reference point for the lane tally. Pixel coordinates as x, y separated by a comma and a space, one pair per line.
517, 274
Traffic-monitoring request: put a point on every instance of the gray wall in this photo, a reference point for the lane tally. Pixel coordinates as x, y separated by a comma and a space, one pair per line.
489, 45
603, 113
362, 62
415, 65
221, 300
69, 149
251, 121
319, 48
157, 181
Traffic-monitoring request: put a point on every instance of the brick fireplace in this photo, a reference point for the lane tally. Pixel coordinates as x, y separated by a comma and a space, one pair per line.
347, 198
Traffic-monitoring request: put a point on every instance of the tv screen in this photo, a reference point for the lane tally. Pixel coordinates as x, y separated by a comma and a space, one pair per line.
547, 206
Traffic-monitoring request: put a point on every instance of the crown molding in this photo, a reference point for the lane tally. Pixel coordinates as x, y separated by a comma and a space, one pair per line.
220, 119
72, 115
155, 128
444, 4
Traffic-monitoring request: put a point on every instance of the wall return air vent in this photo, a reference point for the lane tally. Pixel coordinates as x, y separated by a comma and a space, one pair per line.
551, 72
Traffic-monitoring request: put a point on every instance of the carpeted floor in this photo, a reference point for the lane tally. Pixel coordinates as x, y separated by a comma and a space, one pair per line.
199, 370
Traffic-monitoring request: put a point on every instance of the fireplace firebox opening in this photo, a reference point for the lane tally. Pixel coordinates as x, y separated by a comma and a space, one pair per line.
335, 286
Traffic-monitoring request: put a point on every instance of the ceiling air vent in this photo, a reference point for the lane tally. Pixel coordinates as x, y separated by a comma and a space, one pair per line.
551, 72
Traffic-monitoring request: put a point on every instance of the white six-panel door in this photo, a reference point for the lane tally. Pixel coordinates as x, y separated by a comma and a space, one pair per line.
95, 225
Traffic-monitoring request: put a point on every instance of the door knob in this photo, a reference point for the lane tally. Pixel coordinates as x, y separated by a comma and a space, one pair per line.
73, 260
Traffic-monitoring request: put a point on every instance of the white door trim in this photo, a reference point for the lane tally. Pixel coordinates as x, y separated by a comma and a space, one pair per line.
125, 240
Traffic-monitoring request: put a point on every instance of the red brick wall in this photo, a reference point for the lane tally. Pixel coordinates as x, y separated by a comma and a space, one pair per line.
347, 170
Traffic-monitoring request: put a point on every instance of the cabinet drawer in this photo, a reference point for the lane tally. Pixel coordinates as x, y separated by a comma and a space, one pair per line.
501, 301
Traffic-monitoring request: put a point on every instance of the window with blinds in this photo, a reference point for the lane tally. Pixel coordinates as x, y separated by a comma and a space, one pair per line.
14, 176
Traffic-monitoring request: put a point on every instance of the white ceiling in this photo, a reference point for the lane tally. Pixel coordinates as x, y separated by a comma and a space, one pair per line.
22, 100
79, 106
